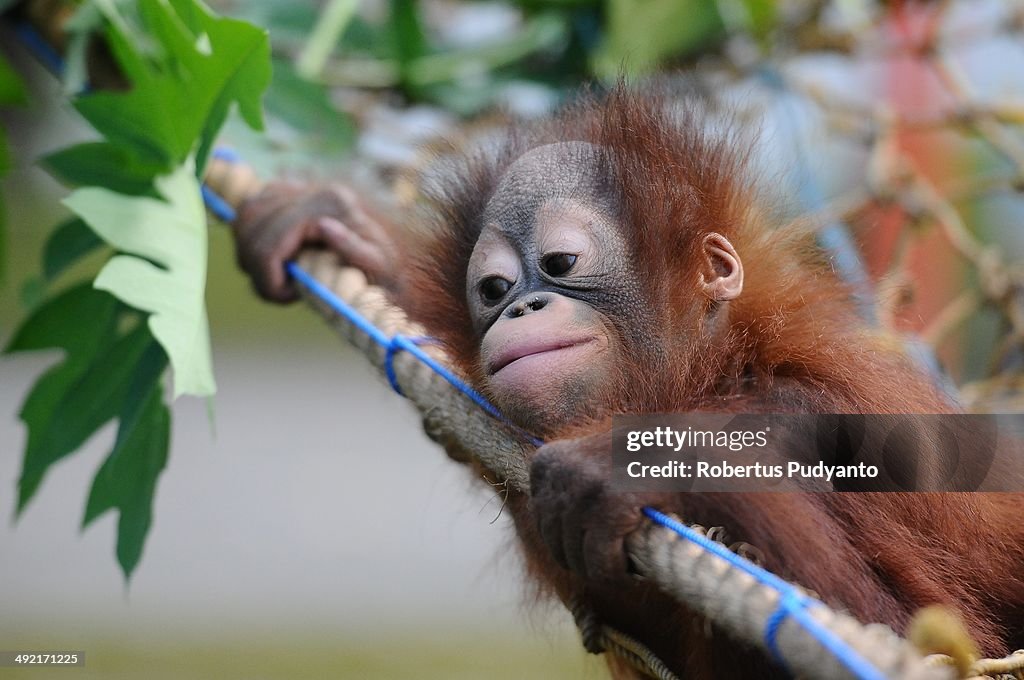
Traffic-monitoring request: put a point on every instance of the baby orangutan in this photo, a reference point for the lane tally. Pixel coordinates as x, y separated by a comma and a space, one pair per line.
613, 260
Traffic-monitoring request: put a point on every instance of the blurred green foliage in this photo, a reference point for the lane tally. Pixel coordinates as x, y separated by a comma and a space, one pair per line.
552, 42
639, 35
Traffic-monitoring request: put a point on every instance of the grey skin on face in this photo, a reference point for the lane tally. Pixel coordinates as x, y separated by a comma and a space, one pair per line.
551, 284
548, 255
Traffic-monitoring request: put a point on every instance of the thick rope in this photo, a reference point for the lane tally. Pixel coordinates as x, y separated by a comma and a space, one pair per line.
1007, 668
758, 607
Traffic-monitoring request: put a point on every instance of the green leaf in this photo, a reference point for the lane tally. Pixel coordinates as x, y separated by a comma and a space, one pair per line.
106, 165
181, 99
33, 292
61, 409
127, 479
69, 242
163, 268
191, 14
242, 52
82, 402
142, 120
75, 321
235, 67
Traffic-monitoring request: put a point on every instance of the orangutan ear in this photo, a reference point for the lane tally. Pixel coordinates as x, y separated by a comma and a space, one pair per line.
722, 274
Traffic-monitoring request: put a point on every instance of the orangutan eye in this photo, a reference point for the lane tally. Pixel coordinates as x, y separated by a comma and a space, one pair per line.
558, 264
493, 288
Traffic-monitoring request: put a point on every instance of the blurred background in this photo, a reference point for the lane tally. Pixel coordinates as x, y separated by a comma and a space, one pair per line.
311, 530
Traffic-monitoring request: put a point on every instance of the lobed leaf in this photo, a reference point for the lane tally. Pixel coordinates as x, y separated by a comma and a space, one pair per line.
69, 242
179, 100
71, 400
103, 164
162, 269
126, 481
74, 321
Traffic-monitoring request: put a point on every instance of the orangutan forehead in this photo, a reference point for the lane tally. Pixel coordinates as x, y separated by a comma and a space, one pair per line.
567, 170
